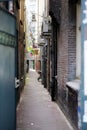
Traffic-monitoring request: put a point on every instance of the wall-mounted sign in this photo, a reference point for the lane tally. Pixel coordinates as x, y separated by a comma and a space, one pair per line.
7, 39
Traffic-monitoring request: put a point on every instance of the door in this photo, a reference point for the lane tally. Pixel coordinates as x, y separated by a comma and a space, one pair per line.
7, 71
54, 63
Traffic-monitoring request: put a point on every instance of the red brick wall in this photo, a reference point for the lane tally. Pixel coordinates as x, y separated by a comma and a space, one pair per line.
66, 62
63, 45
66, 47
72, 42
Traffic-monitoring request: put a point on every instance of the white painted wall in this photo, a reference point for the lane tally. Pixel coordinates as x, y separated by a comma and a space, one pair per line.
40, 10
30, 9
78, 41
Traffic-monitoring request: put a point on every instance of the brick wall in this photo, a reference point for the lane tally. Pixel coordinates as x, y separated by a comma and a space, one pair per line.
72, 42
63, 46
54, 9
59, 13
72, 54
66, 47
66, 41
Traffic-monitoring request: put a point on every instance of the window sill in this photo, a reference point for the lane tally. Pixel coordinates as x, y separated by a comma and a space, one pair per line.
74, 84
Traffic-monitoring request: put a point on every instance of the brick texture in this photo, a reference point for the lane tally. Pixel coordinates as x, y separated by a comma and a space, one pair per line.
54, 9
72, 43
63, 46
66, 56
66, 45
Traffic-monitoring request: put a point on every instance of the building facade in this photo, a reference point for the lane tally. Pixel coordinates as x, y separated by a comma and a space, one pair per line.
21, 46
63, 56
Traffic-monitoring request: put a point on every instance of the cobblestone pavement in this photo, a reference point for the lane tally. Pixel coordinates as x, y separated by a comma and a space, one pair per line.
36, 111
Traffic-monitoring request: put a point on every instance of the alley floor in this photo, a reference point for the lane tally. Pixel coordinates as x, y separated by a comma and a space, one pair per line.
36, 111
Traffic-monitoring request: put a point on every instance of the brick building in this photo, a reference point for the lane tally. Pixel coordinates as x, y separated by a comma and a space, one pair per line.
64, 56
20, 48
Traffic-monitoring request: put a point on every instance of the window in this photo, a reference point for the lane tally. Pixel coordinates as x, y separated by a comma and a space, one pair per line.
33, 18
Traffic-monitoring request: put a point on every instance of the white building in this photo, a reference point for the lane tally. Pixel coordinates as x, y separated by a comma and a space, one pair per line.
40, 6
30, 6
30, 20
36, 11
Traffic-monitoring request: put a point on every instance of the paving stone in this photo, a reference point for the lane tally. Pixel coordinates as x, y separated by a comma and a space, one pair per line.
36, 111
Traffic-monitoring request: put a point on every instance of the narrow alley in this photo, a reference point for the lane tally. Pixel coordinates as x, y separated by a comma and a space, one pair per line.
43, 64
36, 111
